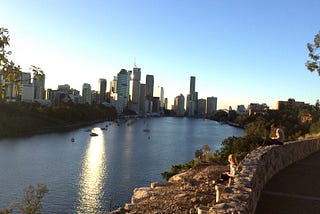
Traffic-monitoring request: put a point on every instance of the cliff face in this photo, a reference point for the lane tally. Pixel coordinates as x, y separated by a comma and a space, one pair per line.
183, 193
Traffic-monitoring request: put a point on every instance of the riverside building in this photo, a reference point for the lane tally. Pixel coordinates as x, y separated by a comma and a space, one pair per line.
135, 89
86, 93
102, 90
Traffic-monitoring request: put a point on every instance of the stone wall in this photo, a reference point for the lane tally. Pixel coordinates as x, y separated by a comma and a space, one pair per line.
256, 170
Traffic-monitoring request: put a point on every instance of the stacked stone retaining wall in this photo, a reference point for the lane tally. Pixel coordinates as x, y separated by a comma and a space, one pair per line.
256, 170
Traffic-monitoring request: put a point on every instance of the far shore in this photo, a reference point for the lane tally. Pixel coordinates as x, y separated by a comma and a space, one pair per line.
52, 129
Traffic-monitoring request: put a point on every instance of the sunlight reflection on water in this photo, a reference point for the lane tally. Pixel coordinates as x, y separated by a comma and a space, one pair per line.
92, 175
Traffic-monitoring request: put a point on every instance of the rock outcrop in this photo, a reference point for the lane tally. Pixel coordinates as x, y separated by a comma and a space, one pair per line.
194, 191
183, 193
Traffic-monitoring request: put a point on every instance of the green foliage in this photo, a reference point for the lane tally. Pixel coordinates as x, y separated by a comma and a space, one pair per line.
315, 127
31, 201
220, 116
240, 146
8, 70
47, 119
314, 54
258, 128
317, 106
176, 169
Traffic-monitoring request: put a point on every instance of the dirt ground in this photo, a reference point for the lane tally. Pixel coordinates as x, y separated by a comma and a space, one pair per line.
182, 194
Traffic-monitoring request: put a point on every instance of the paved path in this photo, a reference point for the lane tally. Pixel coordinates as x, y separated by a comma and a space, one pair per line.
295, 189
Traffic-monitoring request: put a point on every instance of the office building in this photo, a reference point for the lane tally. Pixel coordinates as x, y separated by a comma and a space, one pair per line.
179, 105
165, 106
39, 87
159, 92
202, 107
27, 92
143, 101
86, 93
135, 89
102, 90
149, 92
113, 85
123, 86
211, 105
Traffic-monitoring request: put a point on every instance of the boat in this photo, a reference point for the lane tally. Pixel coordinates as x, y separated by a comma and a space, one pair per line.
72, 139
146, 130
93, 134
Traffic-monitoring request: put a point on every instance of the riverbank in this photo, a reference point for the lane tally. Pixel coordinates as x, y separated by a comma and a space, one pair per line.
62, 127
21, 120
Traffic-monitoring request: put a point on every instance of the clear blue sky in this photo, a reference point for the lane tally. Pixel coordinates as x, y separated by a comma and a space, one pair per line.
240, 51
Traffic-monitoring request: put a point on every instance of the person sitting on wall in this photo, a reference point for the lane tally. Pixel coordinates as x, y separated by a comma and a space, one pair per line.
233, 166
278, 139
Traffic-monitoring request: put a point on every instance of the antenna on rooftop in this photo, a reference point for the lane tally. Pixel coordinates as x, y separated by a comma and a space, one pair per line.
135, 65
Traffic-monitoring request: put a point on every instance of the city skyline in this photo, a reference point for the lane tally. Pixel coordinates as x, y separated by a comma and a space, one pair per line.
240, 52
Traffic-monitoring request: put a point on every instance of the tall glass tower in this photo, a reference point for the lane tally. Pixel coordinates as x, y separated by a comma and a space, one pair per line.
123, 87
135, 89
102, 90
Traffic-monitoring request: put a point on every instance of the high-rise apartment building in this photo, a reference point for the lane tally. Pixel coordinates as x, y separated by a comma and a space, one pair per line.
202, 107
192, 98
135, 89
86, 93
179, 105
39, 87
159, 92
113, 85
211, 105
192, 87
102, 90
149, 86
123, 86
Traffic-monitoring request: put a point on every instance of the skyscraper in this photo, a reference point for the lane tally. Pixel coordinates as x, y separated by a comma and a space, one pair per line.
143, 98
149, 92
193, 97
149, 86
179, 105
102, 90
211, 105
202, 107
39, 87
123, 84
192, 87
113, 85
135, 89
159, 92
86, 93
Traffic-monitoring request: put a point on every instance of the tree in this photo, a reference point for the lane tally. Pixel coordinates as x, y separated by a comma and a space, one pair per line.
37, 72
9, 72
314, 54
317, 105
31, 201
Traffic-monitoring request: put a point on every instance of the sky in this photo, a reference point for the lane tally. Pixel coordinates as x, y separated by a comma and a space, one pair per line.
242, 52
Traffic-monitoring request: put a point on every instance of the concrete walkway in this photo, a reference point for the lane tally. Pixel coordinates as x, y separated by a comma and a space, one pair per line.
295, 189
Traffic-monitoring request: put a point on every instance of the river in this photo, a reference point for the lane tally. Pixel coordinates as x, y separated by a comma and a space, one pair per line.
96, 174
